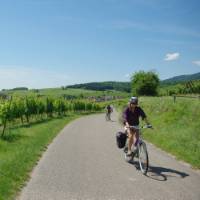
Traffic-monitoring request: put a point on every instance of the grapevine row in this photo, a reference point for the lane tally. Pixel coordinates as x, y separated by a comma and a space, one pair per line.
25, 108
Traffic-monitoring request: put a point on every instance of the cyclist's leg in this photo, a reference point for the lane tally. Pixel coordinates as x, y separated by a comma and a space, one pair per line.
110, 115
130, 140
136, 137
107, 115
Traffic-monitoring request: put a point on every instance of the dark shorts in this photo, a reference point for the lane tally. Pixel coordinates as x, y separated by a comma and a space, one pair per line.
133, 131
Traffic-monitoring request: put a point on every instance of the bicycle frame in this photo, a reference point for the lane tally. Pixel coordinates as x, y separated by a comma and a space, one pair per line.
140, 151
108, 116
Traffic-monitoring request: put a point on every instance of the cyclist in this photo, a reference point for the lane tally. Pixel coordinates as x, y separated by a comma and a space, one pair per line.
131, 116
109, 110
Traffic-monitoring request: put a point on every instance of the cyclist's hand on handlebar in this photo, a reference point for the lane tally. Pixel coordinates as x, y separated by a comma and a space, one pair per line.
127, 125
149, 126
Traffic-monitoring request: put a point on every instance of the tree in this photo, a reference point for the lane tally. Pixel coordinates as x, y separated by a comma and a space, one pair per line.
144, 83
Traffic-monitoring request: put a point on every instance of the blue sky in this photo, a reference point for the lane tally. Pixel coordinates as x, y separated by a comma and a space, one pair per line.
50, 43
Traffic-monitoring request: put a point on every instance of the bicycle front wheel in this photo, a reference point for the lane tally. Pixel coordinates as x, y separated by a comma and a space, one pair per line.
106, 117
143, 158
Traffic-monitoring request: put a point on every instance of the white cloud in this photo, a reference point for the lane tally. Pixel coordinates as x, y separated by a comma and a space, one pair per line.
171, 56
18, 76
196, 62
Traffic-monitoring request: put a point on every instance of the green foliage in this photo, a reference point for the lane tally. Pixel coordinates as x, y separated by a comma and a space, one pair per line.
144, 83
79, 106
30, 107
59, 106
88, 106
49, 107
5, 112
40, 106
20, 88
190, 87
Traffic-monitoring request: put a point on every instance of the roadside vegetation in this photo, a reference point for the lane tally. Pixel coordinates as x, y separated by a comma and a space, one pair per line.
27, 126
177, 127
15, 111
21, 148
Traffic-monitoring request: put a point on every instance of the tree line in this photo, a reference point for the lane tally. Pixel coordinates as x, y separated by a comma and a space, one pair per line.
102, 86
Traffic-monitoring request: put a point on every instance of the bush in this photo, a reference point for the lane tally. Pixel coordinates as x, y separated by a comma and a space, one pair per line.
144, 83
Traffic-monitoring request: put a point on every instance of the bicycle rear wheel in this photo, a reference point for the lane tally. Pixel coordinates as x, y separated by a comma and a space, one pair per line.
107, 117
143, 158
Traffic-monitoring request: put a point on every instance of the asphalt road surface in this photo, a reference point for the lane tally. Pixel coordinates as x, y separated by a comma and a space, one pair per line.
83, 162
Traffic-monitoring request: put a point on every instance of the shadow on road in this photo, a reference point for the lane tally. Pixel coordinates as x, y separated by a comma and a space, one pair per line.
161, 173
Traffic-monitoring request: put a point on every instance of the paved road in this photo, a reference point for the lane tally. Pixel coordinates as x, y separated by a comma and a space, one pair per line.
83, 162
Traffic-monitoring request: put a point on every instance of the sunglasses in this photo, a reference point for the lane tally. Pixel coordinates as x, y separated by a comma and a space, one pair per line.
133, 103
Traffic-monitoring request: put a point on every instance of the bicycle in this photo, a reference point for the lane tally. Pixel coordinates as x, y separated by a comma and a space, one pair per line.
139, 152
108, 116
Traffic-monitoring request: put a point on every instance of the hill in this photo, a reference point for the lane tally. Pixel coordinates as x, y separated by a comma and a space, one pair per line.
181, 79
102, 86
126, 86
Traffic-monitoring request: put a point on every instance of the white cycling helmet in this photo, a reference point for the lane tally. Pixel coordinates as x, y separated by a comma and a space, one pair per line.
133, 100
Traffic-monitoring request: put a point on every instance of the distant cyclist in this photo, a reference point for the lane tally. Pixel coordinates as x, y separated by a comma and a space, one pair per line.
109, 110
131, 117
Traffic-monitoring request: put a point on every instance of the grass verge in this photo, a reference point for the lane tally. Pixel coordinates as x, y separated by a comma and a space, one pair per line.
177, 127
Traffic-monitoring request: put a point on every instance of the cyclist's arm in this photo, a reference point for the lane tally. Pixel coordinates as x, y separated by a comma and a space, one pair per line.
146, 120
125, 118
147, 123
143, 115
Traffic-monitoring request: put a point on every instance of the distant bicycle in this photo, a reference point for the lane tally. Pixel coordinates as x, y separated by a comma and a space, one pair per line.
108, 116
140, 151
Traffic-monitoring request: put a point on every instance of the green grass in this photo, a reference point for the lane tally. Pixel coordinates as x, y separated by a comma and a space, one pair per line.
21, 149
176, 126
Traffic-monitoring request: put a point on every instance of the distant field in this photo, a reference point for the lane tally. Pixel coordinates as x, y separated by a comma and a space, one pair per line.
57, 92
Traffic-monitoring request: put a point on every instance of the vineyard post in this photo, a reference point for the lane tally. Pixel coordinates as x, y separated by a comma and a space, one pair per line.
174, 98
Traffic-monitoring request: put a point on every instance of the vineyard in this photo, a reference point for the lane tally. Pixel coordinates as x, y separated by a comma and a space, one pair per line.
190, 87
20, 110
